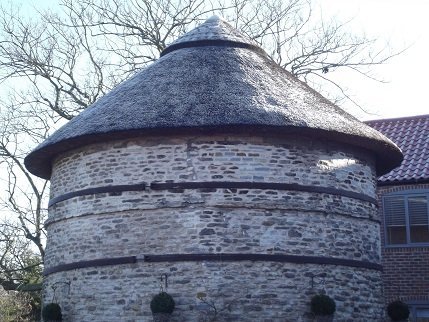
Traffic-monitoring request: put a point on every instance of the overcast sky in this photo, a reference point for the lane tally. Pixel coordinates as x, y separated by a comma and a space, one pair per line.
402, 24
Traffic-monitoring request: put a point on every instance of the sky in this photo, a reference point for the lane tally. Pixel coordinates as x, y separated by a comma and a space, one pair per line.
401, 24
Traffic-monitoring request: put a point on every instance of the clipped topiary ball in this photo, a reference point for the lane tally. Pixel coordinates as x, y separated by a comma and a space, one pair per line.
398, 311
52, 312
162, 303
322, 305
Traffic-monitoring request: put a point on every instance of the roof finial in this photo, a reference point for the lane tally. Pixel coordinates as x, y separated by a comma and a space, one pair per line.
214, 18
214, 31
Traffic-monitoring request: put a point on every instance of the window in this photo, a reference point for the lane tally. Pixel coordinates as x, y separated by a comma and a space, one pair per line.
419, 312
422, 315
406, 218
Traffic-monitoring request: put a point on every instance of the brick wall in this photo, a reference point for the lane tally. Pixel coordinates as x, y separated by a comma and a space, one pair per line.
406, 269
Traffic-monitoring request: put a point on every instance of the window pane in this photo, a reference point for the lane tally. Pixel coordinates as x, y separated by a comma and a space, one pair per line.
394, 213
419, 234
396, 235
422, 315
394, 210
418, 213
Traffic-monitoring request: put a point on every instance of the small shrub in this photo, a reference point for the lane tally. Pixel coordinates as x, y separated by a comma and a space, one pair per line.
14, 306
322, 305
52, 311
162, 303
398, 311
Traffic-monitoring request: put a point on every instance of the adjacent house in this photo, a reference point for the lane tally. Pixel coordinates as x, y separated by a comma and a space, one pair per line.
403, 196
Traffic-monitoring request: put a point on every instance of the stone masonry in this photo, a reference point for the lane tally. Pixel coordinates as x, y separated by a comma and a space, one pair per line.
262, 221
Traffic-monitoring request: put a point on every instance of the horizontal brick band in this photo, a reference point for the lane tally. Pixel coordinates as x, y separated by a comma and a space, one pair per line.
215, 257
90, 263
214, 185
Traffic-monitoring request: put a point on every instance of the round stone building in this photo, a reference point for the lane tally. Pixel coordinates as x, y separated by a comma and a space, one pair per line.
220, 176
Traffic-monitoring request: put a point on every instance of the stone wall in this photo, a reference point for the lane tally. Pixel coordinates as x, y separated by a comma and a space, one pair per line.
210, 229
291, 160
214, 220
243, 291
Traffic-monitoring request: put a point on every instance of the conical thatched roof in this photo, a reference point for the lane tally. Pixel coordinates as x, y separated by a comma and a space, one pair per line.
213, 79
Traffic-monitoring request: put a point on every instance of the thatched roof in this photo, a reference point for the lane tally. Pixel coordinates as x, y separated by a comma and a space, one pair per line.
212, 79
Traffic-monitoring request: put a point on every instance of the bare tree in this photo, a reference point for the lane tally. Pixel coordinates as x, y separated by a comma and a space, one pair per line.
18, 263
20, 270
55, 64
307, 46
21, 237
23, 194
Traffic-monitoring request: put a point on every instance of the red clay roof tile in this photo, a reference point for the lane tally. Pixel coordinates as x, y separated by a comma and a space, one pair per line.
411, 134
